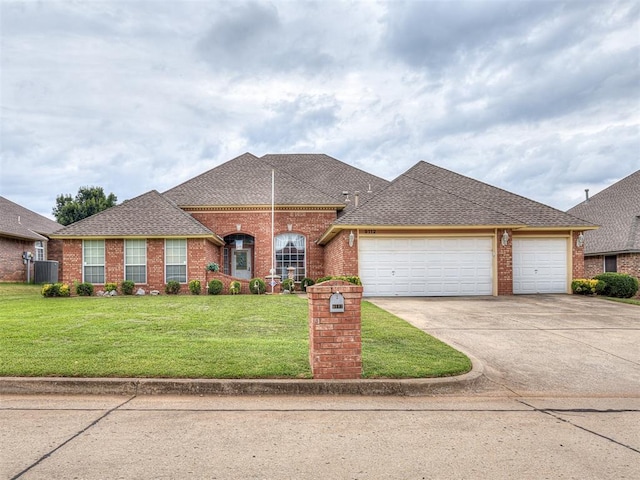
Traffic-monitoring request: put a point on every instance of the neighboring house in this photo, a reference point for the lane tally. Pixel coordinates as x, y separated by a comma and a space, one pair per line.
429, 232
22, 231
615, 246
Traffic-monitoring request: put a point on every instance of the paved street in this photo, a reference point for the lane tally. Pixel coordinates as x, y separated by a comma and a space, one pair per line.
561, 399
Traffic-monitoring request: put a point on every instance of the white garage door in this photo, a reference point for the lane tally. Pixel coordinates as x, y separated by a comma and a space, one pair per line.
539, 265
426, 266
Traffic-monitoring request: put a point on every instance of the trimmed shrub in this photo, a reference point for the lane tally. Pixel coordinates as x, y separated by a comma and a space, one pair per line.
56, 290
195, 287
288, 284
215, 287
110, 287
349, 278
619, 285
172, 287
84, 289
234, 287
127, 287
306, 282
257, 286
584, 286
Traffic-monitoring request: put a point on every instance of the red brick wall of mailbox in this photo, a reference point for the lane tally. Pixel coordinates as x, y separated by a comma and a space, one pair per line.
335, 341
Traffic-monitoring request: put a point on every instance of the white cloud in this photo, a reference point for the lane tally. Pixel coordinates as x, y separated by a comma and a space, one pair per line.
540, 98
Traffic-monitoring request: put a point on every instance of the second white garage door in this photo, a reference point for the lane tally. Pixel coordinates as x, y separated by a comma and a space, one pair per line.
433, 266
539, 265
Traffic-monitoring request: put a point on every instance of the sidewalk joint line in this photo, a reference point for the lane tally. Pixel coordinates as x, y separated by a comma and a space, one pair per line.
73, 437
549, 411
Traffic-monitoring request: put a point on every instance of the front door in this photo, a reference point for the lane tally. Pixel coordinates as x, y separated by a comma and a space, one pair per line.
241, 263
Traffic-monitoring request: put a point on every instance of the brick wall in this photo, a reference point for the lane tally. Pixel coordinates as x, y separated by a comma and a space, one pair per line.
629, 263
11, 267
114, 261
593, 265
155, 264
257, 224
626, 263
335, 341
339, 257
72, 254
505, 263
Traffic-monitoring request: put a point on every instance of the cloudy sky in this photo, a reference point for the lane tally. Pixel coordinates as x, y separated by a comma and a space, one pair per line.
541, 98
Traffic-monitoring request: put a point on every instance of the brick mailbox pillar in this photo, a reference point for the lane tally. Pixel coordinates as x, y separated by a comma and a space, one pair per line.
335, 343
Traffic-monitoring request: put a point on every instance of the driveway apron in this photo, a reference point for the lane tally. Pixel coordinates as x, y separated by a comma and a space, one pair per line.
536, 345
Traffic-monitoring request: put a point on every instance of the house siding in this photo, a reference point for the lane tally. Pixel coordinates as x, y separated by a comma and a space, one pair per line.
593, 265
628, 263
199, 253
114, 261
339, 257
72, 253
155, 264
11, 267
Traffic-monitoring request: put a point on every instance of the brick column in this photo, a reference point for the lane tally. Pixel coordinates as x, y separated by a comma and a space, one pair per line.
505, 263
577, 257
335, 343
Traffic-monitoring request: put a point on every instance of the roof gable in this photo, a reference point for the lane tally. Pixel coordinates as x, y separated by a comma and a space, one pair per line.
430, 195
19, 222
300, 180
617, 210
148, 215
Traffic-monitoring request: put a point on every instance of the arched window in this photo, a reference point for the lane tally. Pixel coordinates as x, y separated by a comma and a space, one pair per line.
291, 252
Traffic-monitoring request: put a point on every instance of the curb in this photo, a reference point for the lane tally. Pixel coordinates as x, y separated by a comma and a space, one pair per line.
161, 386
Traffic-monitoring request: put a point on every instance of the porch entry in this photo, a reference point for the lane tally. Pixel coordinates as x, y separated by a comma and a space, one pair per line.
238, 255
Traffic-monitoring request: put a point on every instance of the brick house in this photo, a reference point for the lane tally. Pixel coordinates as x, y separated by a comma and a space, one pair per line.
429, 232
615, 246
22, 230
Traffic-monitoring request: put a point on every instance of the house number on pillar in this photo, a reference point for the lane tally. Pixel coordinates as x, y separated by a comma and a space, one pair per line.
336, 303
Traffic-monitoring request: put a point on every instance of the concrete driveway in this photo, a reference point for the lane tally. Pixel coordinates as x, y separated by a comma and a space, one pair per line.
551, 345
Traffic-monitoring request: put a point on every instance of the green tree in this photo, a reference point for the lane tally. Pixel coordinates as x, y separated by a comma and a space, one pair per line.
88, 201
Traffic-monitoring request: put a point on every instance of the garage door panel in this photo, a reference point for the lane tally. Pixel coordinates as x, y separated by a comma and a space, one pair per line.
539, 265
428, 266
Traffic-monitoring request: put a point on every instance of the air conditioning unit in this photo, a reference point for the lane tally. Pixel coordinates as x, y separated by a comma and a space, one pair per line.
46, 271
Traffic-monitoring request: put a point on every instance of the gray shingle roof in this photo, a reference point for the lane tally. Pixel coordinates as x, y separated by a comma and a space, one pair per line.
617, 210
19, 222
329, 175
430, 195
149, 215
300, 179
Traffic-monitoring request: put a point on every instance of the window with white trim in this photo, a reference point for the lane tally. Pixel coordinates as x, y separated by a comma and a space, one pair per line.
40, 251
135, 261
291, 252
175, 260
93, 261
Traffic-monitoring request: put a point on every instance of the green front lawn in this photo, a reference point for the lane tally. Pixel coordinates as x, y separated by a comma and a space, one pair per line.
245, 336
